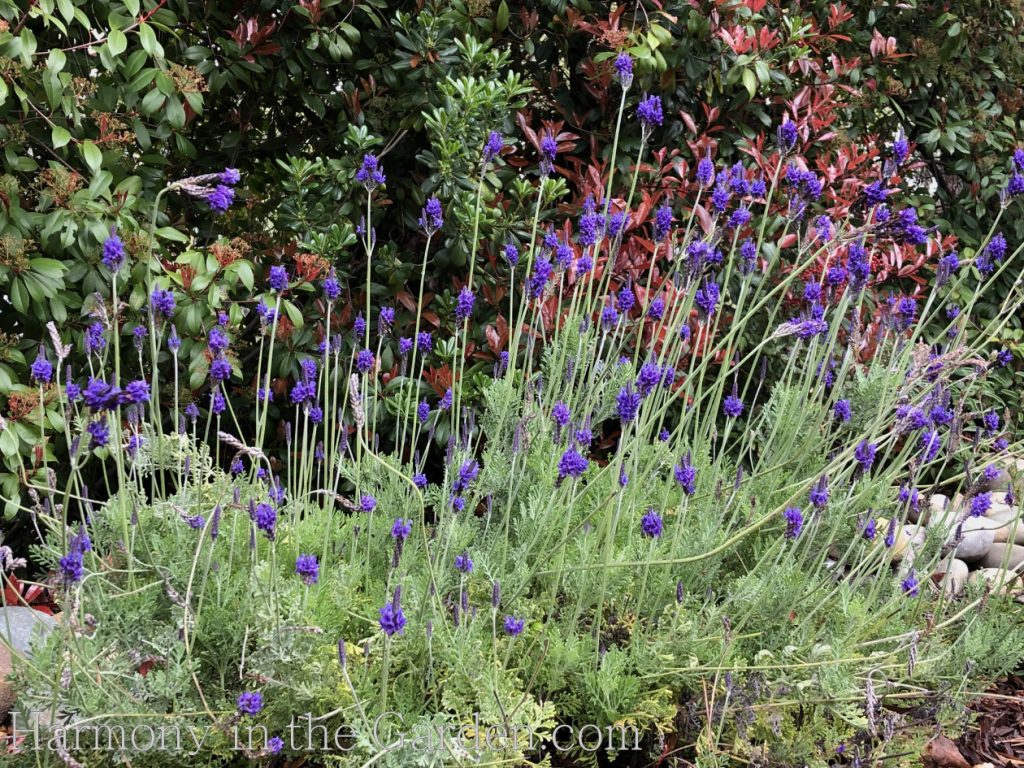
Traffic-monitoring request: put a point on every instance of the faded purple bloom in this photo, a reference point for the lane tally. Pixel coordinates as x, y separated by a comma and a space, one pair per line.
865, 453
463, 563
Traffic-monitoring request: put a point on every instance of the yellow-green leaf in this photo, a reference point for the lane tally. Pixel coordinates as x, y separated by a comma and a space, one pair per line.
92, 155
117, 42
750, 82
60, 136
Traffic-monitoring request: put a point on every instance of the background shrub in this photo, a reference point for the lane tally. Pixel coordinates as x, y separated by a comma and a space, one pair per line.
94, 123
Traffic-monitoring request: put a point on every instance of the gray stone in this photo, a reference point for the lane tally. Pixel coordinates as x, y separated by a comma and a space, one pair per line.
1003, 555
19, 628
1006, 582
1014, 525
954, 574
974, 544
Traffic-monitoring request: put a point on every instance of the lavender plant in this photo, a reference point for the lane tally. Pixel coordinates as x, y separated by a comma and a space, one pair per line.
643, 525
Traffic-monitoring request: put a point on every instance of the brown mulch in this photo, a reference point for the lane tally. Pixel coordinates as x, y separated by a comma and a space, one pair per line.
998, 735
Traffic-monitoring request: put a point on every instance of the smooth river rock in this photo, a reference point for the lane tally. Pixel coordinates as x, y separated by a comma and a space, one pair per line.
974, 544
953, 576
1007, 581
1003, 555
1013, 525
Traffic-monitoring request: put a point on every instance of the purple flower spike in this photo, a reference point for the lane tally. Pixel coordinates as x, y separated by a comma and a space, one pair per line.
648, 111
113, 252
572, 464
513, 626
548, 152
495, 143
392, 619
464, 306
787, 135
651, 524
432, 217
370, 174
307, 567
42, 369
278, 278
794, 522
220, 198
250, 702
732, 406
624, 69
865, 455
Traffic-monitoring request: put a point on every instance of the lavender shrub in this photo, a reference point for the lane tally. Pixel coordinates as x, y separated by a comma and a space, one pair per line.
672, 529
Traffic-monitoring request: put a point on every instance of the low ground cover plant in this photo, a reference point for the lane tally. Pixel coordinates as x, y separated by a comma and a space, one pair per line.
643, 529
